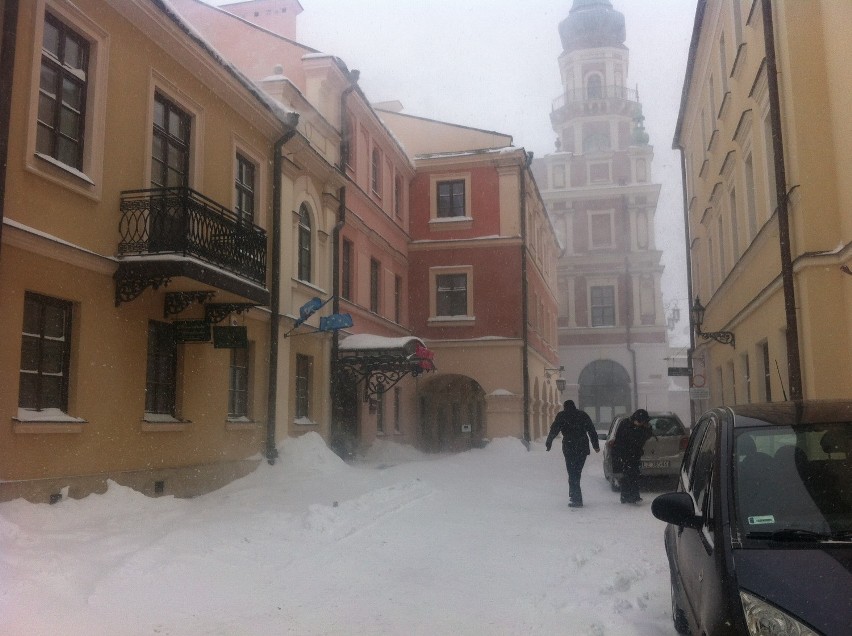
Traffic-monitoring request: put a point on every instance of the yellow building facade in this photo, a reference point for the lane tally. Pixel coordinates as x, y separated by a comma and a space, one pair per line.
138, 226
763, 129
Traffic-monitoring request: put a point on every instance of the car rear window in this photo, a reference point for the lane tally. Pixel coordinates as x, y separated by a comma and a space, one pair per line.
667, 426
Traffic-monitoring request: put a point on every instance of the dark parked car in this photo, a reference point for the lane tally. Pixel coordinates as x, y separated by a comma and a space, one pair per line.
663, 452
759, 539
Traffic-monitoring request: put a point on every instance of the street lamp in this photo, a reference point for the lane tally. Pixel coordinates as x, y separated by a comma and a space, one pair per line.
560, 381
723, 337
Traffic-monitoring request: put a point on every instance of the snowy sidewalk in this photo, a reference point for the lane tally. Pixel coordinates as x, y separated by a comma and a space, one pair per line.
477, 543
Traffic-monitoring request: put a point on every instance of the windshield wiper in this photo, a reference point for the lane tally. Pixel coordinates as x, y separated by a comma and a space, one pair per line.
790, 534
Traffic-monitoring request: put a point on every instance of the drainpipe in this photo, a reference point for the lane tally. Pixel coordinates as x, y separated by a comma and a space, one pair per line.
525, 297
628, 324
275, 301
794, 367
688, 279
345, 145
7, 71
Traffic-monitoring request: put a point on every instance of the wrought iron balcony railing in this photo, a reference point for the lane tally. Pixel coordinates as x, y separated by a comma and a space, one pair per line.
183, 221
594, 93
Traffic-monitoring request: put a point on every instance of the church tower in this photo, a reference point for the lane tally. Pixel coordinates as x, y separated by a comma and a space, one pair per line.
597, 186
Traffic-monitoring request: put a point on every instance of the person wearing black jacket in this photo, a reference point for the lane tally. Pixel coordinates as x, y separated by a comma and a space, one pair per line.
627, 449
577, 430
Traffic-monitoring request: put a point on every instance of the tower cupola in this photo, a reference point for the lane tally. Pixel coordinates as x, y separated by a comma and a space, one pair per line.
592, 24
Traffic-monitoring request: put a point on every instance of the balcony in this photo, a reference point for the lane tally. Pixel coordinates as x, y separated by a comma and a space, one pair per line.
595, 94
177, 232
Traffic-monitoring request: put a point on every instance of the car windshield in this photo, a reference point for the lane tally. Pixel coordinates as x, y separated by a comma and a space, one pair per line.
794, 483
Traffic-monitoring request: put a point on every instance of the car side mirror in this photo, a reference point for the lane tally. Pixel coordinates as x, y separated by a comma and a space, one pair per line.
676, 508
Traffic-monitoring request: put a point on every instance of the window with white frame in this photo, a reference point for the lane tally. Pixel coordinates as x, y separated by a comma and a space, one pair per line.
245, 186
451, 297
376, 171
451, 199
451, 293
45, 353
305, 243
63, 89
375, 285
69, 68
599, 172
735, 234
558, 175
238, 377
601, 230
751, 203
602, 305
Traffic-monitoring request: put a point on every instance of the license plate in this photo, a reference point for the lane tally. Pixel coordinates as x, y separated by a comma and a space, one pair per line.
657, 464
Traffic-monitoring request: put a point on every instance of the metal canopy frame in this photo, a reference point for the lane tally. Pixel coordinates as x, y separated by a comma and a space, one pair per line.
381, 369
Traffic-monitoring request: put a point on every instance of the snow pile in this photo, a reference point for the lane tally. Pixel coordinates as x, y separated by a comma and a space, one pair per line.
476, 543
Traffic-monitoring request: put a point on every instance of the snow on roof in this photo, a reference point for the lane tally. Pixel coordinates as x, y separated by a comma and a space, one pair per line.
367, 342
285, 115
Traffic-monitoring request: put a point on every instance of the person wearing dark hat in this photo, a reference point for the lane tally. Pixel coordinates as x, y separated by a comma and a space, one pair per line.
627, 449
577, 430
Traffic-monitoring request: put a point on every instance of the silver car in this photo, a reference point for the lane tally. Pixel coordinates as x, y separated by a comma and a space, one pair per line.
663, 452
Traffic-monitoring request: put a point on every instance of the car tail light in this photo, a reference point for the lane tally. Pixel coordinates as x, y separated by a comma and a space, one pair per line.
610, 443
684, 441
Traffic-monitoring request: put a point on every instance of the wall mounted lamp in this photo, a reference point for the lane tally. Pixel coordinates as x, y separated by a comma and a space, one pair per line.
723, 337
560, 381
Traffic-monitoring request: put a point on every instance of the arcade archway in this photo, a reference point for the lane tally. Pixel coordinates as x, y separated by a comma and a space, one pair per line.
452, 413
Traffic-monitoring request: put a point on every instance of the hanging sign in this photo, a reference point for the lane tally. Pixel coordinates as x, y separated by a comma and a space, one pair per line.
191, 331
230, 337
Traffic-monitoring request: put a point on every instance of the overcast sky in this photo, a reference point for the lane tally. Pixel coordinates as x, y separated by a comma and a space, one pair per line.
492, 64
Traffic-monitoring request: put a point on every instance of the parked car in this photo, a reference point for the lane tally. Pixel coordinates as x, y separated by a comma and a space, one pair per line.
759, 539
663, 452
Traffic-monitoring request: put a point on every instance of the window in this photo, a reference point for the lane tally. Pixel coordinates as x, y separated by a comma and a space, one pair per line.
451, 199
559, 175
161, 379
63, 86
451, 298
603, 306
397, 298
238, 383
304, 265
397, 197
245, 186
723, 63
723, 265
600, 230
171, 144
594, 87
746, 378
735, 234
376, 171
767, 372
375, 268
750, 199
598, 172
45, 353
303, 385
346, 274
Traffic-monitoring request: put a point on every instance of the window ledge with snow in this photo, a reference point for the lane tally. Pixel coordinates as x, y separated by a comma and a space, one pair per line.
162, 423
241, 423
46, 421
452, 321
451, 223
304, 421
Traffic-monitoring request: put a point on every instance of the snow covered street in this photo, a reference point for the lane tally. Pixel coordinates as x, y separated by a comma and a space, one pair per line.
402, 543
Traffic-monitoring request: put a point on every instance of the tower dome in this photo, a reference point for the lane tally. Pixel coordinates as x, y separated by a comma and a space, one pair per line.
592, 24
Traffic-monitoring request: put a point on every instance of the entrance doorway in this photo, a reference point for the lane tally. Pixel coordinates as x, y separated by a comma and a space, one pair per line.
604, 391
452, 414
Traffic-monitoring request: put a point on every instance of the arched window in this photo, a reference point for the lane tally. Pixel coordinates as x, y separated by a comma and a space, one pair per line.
594, 87
304, 270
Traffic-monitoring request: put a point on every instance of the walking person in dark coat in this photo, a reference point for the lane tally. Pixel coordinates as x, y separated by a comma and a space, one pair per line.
627, 449
577, 430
